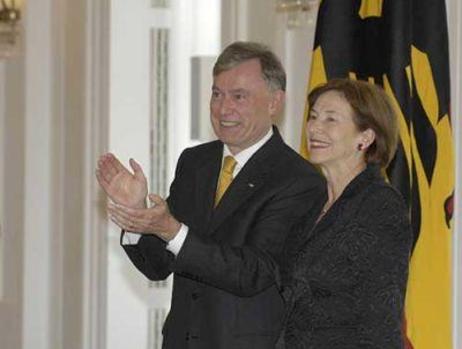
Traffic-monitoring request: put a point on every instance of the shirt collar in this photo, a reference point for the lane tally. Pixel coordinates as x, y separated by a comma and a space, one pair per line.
244, 156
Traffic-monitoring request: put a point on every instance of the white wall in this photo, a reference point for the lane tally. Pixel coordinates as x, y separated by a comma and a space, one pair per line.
127, 292
298, 45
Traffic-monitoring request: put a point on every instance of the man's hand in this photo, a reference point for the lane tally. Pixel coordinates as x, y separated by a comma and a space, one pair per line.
120, 184
156, 220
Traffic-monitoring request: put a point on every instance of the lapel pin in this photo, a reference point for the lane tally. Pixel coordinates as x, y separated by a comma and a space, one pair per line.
251, 185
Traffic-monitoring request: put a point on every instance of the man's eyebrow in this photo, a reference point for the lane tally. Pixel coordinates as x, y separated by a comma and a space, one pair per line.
236, 90
239, 90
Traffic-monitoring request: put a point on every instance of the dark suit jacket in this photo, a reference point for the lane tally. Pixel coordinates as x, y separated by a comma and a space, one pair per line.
224, 293
345, 279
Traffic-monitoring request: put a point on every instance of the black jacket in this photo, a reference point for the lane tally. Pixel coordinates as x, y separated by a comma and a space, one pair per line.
224, 290
345, 280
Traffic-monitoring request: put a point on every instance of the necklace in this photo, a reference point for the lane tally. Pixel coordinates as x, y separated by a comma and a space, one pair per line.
326, 208
323, 212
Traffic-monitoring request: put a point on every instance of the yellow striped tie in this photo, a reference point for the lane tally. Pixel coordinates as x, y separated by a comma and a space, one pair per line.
226, 177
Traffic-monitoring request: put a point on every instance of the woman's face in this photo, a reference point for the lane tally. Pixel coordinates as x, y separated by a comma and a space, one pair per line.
332, 136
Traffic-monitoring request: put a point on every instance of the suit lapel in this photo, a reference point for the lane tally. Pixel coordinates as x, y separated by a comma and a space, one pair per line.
207, 177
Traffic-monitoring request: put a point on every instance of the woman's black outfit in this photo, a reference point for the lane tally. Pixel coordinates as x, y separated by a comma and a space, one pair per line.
344, 282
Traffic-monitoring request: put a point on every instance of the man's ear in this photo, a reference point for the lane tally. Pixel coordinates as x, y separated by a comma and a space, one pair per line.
277, 102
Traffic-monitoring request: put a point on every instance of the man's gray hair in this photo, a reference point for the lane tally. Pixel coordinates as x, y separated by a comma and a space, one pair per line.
238, 52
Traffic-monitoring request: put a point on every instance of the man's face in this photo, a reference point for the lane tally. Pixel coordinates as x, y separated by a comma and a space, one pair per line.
242, 105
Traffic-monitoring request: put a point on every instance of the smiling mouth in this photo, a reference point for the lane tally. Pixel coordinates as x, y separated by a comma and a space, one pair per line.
229, 123
316, 144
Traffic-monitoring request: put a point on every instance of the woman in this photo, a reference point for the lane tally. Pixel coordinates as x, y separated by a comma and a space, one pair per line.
345, 280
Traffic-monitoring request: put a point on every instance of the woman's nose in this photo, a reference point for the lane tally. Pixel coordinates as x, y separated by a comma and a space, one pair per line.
313, 125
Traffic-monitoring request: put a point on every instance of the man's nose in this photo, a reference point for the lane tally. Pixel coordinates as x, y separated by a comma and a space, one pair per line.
227, 105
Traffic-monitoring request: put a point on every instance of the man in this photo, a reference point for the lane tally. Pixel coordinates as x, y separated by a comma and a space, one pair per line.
223, 241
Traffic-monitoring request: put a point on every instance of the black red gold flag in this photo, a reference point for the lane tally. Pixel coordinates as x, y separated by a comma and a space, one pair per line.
402, 45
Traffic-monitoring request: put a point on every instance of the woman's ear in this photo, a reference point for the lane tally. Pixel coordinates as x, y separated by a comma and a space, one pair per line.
367, 137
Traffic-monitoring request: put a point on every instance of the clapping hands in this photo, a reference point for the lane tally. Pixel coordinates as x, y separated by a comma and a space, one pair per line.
128, 192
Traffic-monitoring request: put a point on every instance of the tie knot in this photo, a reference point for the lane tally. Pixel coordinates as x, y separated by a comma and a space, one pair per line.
229, 164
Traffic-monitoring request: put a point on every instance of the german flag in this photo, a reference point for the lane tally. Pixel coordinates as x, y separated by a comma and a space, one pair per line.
402, 45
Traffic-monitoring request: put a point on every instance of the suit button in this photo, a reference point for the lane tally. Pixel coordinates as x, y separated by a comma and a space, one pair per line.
195, 296
191, 336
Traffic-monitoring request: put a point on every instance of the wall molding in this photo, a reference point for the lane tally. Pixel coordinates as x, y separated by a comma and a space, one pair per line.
2, 175
36, 203
96, 140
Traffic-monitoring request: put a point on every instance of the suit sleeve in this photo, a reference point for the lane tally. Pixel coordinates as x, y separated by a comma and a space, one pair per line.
249, 268
149, 255
383, 242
